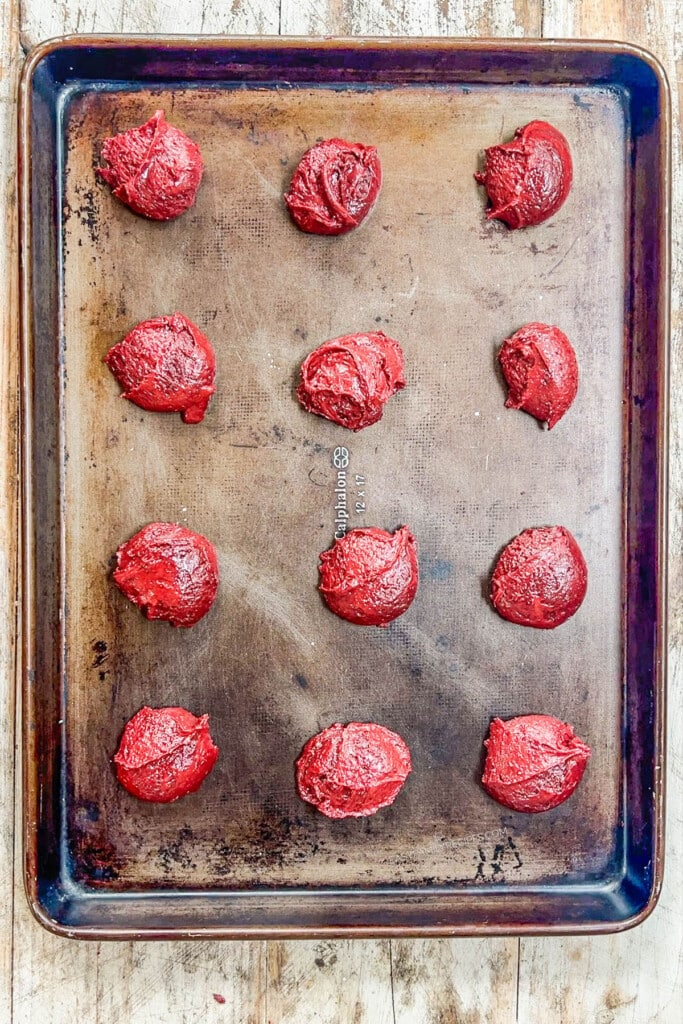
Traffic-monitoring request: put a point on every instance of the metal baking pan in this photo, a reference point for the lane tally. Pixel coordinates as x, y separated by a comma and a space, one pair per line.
261, 478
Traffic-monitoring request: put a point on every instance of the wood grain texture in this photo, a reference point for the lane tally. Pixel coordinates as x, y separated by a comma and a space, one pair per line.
343, 982
54, 980
44, 19
412, 17
636, 977
454, 982
426, 987
9, 67
62, 982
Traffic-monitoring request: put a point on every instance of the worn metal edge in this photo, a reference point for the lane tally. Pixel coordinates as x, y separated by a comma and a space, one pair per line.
25, 589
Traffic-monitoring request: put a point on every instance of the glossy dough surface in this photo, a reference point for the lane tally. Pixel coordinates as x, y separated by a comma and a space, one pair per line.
370, 577
533, 763
334, 187
540, 367
169, 572
352, 770
348, 380
164, 754
155, 169
540, 578
166, 365
528, 178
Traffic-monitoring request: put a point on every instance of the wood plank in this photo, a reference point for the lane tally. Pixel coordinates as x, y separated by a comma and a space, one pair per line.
43, 19
437, 981
62, 981
140, 983
10, 55
636, 976
411, 17
446, 981
343, 982
331, 982
434, 981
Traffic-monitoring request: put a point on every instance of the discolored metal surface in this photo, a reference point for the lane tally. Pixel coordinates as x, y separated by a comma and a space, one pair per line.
261, 479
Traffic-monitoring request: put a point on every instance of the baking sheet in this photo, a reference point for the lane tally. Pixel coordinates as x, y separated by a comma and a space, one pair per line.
261, 478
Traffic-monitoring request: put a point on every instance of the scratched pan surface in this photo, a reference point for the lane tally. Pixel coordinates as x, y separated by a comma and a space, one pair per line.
261, 478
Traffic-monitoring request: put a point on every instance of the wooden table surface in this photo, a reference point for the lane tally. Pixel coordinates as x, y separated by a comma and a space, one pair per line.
635, 977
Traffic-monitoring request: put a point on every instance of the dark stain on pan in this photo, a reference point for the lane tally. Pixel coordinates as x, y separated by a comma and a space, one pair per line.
325, 955
101, 652
436, 569
494, 865
87, 210
93, 857
266, 841
319, 476
581, 103
87, 812
221, 858
178, 852
316, 446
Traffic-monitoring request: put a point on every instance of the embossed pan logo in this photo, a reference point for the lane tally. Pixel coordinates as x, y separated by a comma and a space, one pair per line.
341, 457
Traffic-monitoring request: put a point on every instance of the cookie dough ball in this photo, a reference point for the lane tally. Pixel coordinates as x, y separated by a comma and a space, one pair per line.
540, 368
351, 771
370, 577
165, 753
540, 578
169, 572
154, 169
527, 179
334, 187
533, 762
166, 365
348, 380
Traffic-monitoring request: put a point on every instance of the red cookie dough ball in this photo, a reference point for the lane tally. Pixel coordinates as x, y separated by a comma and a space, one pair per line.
334, 187
348, 380
350, 771
369, 576
169, 572
540, 578
527, 179
166, 365
165, 753
533, 762
540, 368
154, 169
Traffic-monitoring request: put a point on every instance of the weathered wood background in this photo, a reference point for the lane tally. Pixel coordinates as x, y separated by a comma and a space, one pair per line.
634, 978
